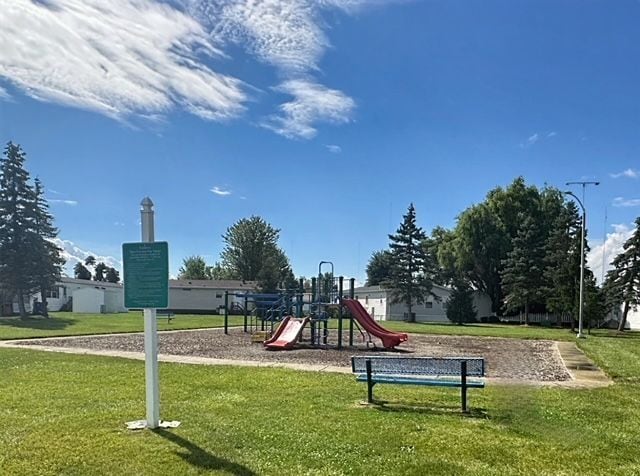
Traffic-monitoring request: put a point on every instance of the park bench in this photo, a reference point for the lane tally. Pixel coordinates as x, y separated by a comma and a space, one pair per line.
427, 371
164, 313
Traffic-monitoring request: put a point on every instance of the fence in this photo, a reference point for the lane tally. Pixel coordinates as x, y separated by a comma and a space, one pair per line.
539, 318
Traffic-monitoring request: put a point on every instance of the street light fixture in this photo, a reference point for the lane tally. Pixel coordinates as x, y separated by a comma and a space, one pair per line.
584, 224
581, 305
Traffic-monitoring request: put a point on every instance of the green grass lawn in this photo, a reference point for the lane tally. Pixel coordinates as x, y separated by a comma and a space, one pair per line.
70, 324
65, 414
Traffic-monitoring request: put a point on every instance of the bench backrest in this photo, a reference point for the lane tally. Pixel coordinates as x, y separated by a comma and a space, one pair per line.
391, 365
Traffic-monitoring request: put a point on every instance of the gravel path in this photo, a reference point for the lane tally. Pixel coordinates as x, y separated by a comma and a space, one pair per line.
505, 358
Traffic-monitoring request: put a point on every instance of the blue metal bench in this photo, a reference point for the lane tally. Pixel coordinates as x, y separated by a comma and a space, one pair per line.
428, 371
165, 313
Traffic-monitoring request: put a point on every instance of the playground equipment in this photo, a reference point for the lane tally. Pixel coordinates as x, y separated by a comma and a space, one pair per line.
279, 319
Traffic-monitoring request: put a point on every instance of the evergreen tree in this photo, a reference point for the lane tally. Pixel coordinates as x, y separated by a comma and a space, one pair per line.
411, 274
460, 307
99, 272
622, 284
90, 261
562, 263
81, 272
19, 248
49, 257
522, 276
379, 267
112, 276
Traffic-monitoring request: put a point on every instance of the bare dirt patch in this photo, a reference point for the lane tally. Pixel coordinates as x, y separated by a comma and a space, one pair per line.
537, 360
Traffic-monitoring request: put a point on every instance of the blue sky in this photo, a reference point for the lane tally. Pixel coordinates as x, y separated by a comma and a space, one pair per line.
325, 117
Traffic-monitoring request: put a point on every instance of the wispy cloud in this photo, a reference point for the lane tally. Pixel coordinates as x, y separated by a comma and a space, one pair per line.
220, 191
626, 202
4, 94
628, 173
118, 58
312, 103
72, 203
551, 134
334, 149
608, 250
146, 58
531, 140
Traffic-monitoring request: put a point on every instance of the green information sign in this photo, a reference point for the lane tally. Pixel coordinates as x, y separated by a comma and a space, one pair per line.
146, 275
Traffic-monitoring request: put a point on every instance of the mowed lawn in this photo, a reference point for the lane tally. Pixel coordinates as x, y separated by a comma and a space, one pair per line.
65, 414
70, 324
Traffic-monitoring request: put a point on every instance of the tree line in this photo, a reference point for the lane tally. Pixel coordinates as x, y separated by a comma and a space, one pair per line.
101, 272
30, 262
520, 246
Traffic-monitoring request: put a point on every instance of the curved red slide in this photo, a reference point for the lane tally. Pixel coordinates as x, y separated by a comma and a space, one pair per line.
287, 334
389, 338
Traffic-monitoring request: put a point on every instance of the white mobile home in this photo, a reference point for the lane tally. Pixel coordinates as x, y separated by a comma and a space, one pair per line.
377, 301
205, 296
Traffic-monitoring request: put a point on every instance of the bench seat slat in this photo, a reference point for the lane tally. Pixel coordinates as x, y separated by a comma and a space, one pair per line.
433, 382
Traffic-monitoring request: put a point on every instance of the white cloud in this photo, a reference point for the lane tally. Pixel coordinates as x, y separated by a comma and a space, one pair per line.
4, 94
629, 173
531, 140
551, 134
146, 58
312, 103
334, 149
626, 202
119, 58
611, 248
73, 254
72, 203
220, 191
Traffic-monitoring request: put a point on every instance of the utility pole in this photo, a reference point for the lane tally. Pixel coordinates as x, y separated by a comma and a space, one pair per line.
583, 231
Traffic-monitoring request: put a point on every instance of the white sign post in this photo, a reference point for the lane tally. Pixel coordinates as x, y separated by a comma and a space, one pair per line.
150, 324
150, 330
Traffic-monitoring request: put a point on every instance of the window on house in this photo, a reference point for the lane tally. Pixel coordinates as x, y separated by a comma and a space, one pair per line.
428, 304
218, 296
53, 293
444, 305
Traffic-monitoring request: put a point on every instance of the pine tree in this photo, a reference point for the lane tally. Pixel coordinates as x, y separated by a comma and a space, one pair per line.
18, 241
379, 267
81, 272
112, 276
412, 269
622, 285
460, 307
522, 276
99, 271
562, 263
50, 261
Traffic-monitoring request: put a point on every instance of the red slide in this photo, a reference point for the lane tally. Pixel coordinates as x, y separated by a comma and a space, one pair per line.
389, 338
287, 334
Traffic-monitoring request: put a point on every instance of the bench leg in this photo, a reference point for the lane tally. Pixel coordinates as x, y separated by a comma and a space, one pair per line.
463, 385
370, 384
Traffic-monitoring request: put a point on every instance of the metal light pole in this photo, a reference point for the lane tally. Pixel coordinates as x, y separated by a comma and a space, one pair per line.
582, 233
581, 305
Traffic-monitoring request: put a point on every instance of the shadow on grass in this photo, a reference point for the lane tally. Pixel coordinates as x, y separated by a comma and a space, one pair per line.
199, 457
40, 323
398, 407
